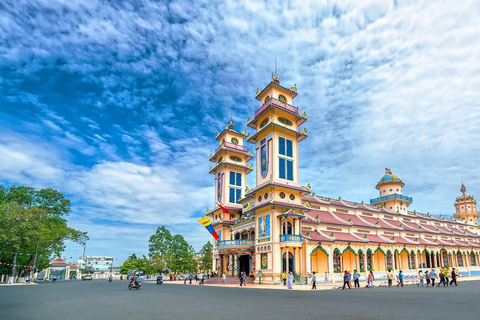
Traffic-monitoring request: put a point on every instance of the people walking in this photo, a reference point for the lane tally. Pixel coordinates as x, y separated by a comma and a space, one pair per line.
224, 278
454, 277
314, 281
346, 280
240, 277
433, 276
290, 280
244, 276
356, 281
284, 278
185, 277
446, 273
190, 277
325, 280
370, 279
442, 278
203, 277
420, 278
427, 277
400, 279
390, 276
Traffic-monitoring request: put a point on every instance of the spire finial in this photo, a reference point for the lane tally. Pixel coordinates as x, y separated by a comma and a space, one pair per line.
275, 73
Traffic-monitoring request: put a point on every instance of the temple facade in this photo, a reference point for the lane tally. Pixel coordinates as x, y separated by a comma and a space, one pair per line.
280, 225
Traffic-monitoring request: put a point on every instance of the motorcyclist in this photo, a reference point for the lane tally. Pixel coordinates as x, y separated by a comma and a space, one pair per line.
110, 278
159, 278
137, 279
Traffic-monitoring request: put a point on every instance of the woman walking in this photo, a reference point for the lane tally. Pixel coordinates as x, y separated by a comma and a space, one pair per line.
427, 277
370, 279
420, 278
290, 280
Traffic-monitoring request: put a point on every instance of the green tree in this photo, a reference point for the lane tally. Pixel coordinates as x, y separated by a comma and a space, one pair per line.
136, 264
31, 218
206, 257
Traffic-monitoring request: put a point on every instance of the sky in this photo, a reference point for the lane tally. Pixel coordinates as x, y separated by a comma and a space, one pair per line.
117, 103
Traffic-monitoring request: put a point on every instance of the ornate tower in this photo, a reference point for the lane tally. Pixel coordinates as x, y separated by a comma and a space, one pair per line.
276, 199
391, 197
466, 207
230, 172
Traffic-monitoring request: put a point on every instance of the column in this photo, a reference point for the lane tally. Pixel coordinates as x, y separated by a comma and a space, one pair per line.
287, 260
467, 263
296, 260
330, 265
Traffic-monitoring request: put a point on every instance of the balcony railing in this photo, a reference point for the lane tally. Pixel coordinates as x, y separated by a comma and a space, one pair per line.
231, 146
390, 197
235, 243
291, 238
279, 104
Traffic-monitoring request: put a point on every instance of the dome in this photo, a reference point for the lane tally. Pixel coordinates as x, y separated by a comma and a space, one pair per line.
389, 178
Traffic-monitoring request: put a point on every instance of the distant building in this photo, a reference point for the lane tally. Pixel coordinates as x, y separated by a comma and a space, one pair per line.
96, 263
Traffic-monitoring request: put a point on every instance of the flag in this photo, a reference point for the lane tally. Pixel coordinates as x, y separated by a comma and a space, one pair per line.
226, 211
208, 224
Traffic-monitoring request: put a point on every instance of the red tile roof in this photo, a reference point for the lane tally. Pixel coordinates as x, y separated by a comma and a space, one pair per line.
326, 217
429, 228
401, 240
315, 236
354, 219
373, 238
343, 236
411, 225
393, 223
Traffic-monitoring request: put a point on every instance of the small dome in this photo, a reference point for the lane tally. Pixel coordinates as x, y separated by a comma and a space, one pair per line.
389, 178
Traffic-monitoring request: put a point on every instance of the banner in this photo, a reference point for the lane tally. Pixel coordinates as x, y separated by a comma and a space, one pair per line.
226, 211
208, 224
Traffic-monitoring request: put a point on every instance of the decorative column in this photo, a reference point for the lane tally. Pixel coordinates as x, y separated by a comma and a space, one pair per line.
467, 263
330, 265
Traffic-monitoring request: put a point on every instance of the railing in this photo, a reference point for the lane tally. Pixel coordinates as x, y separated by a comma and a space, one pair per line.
291, 238
231, 146
279, 104
390, 197
235, 243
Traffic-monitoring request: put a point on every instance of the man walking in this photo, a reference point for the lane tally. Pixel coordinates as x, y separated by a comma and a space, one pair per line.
433, 277
346, 280
190, 277
314, 281
427, 277
420, 278
442, 278
454, 277
389, 277
240, 277
356, 281
400, 278
446, 272
185, 276
284, 278
244, 276
224, 278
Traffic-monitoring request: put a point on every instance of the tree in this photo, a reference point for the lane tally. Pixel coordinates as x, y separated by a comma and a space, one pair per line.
136, 264
206, 258
31, 218
172, 252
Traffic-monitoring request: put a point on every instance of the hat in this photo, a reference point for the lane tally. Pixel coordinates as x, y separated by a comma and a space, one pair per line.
345, 271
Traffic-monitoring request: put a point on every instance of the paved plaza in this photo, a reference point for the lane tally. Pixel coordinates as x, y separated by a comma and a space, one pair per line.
99, 299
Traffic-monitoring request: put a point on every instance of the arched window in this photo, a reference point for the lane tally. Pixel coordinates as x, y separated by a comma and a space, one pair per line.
287, 228
361, 261
282, 98
337, 265
266, 99
389, 260
460, 259
234, 140
472, 259
412, 260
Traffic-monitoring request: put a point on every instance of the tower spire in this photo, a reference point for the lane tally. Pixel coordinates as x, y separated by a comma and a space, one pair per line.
275, 73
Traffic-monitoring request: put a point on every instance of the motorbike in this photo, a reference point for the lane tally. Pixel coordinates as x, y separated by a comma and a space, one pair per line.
134, 285
159, 281
109, 279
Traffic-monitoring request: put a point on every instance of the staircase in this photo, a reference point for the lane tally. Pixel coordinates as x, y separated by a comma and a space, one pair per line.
230, 280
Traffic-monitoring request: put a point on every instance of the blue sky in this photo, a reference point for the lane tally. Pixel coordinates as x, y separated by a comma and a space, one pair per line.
117, 103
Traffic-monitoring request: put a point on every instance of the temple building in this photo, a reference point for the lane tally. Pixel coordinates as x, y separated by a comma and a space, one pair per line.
280, 225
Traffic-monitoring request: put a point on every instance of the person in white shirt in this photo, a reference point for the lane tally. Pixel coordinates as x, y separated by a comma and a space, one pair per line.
224, 278
314, 281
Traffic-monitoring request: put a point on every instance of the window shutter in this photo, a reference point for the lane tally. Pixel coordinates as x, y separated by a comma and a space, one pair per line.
281, 165
232, 177
290, 170
239, 180
289, 148
239, 194
281, 146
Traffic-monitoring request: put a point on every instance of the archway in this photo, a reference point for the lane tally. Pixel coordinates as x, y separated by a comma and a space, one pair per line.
460, 259
361, 261
473, 263
412, 262
379, 259
337, 261
288, 263
444, 254
389, 260
369, 260
319, 259
348, 259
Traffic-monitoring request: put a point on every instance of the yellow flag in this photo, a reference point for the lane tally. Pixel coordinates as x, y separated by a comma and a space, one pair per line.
205, 221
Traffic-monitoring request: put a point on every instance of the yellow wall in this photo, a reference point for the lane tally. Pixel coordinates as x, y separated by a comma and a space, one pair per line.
319, 262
